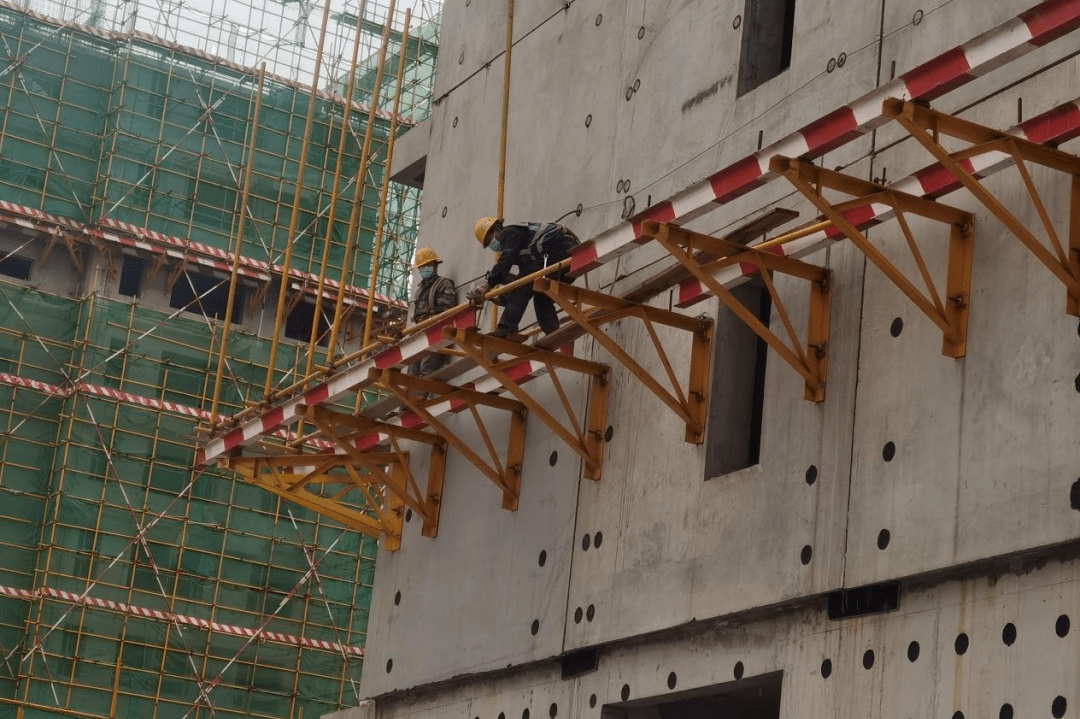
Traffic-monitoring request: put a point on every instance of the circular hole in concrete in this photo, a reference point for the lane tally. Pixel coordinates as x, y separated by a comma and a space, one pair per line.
811, 475
806, 555
461, 58
578, 614
917, 17
592, 701
672, 680
554, 458
597, 539
553, 710
408, 515
868, 659
535, 628
1008, 634
896, 327
1006, 711
883, 539
502, 715
397, 598
736, 22
543, 557
961, 644
913, 651
389, 665
585, 543
637, 86
826, 668
444, 212
641, 33
958, 715
454, 123
1058, 707
1077, 383
588, 120
524, 714
888, 451
625, 693
1074, 495
630, 94
737, 672
590, 612
609, 433
599, 19
1061, 626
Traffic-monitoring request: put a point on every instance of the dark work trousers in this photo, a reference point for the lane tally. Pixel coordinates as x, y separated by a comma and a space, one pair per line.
429, 364
547, 315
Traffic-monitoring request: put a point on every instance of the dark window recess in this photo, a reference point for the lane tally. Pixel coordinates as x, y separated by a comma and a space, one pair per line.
17, 267
755, 697
737, 397
206, 295
580, 662
131, 276
864, 600
298, 324
768, 29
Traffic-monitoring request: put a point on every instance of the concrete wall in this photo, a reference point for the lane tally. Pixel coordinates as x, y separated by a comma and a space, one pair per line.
985, 446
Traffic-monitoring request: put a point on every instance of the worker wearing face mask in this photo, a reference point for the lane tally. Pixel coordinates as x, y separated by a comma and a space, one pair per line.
435, 294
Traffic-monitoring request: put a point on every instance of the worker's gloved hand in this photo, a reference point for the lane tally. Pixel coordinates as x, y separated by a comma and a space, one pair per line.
476, 295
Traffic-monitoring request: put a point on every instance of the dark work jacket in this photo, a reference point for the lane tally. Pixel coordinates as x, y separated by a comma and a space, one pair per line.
434, 295
520, 245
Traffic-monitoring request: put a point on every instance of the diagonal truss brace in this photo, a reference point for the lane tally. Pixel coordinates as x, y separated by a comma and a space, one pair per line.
346, 429
591, 310
949, 314
926, 126
290, 476
809, 359
422, 396
584, 435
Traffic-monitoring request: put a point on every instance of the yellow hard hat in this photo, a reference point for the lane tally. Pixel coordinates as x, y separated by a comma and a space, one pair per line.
425, 256
483, 227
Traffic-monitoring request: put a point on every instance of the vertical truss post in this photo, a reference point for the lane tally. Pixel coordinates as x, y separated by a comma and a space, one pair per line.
421, 396
926, 126
590, 310
949, 315
583, 435
811, 361
1073, 302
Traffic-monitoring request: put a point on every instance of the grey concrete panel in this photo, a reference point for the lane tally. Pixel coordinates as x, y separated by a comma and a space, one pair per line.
468, 597
936, 681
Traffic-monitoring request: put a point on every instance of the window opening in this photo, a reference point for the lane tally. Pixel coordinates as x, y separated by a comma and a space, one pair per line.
768, 31
212, 294
131, 276
298, 324
737, 397
15, 266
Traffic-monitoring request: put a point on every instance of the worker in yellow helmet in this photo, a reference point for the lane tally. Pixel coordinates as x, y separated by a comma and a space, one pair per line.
434, 294
529, 246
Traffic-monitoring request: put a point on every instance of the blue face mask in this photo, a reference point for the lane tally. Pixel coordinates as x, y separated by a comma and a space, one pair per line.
426, 271
495, 246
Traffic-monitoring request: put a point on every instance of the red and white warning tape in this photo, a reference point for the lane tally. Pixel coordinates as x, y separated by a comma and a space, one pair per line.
267, 636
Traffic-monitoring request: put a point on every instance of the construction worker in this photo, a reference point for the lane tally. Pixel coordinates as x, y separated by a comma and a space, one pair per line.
435, 294
530, 246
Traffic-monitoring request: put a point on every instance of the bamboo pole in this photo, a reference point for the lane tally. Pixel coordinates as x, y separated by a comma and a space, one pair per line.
295, 218
345, 117
379, 229
361, 185
238, 246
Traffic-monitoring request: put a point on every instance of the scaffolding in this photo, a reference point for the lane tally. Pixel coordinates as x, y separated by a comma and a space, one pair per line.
491, 371
135, 583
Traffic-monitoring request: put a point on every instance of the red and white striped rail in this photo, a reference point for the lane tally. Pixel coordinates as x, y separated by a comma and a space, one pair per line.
266, 636
28, 220
999, 46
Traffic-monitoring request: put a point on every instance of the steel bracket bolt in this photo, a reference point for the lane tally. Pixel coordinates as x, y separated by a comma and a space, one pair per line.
959, 301
820, 350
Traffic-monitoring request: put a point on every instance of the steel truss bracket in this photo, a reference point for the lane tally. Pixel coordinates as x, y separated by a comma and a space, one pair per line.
584, 435
426, 397
591, 310
348, 430
949, 314
809, 359
331, 485
927, 126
